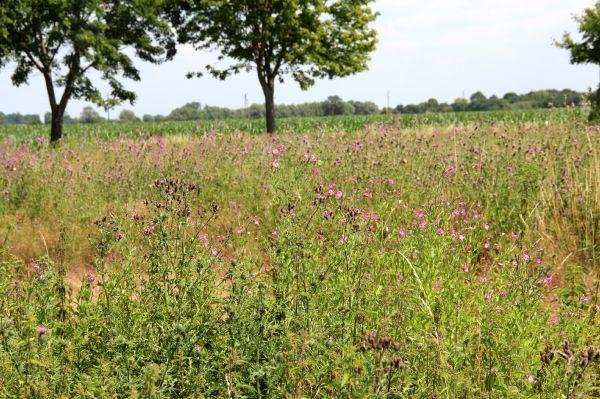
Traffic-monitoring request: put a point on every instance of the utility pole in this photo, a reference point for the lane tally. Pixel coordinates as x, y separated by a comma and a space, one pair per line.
388, 102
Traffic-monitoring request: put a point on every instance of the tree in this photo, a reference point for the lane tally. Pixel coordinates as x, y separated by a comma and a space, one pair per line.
334, 105
364, 108
188, 112
586, 51
65, 40
128, 115
304, 39
460, 105
89, 115
511, 97
478, 102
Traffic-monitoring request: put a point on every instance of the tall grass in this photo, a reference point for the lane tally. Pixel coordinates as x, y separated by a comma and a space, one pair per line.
388, 261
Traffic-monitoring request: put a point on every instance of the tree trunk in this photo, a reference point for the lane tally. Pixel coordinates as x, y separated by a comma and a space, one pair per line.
56, 127
269, 90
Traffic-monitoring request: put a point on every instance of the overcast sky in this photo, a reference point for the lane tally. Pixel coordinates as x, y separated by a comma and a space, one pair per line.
427, 48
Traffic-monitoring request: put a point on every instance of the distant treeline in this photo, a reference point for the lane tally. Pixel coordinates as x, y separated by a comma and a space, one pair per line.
333, 105
510, 101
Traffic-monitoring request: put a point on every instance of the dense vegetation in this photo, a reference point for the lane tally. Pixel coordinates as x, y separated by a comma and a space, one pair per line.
399, 260
332, 106
97, 128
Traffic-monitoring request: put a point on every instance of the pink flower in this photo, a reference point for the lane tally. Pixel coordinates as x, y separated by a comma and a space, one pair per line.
339, 195
503, 293
441, 232
240, 230
402, 232
42, 330
214, 251
487, 298
531, 379
119, 235
202, 236
275, 151
275, 163
450, 171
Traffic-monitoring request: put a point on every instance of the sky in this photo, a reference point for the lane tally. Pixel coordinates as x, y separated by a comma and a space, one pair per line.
427, 48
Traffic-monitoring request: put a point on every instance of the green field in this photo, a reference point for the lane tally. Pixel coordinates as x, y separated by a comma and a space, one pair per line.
439, 256
293, 125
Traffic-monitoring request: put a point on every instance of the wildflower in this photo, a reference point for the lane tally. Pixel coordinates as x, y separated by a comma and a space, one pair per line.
240, 230
119, 235
450, 171
488, 297
91, 277
586, 299
339, 195
36, 267
402, 233
42, 330
531, 379
202, 236
503, 293
275, 151
275, 163
214, 251
441, 232
547, 280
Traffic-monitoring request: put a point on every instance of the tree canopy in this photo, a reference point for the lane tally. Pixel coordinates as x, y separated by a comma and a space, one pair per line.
587, 49
304, 39
66, 39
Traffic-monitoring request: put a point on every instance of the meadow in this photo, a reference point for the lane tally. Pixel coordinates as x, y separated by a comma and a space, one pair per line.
438, 256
